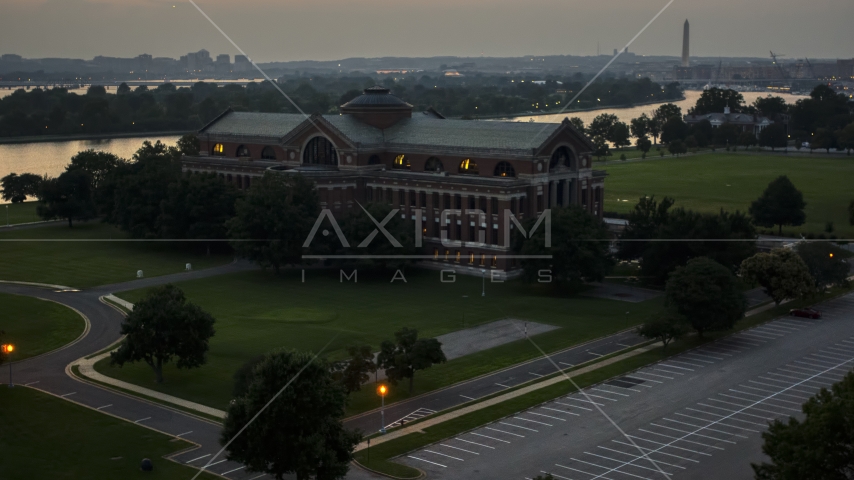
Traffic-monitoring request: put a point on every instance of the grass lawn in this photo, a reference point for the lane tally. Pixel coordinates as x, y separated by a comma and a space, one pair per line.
18, 213
709, 182
46, 437
36, 326
90, 254
257, 312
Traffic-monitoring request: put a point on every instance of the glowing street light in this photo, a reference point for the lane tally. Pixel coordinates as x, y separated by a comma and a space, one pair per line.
381, 391
7, 349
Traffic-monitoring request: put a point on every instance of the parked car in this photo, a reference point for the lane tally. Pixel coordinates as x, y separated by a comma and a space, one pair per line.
805, 312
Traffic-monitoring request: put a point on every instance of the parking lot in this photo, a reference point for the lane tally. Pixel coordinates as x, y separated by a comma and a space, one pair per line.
697, 415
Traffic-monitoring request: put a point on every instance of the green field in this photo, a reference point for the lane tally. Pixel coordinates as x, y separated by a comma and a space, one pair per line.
709, 182
92, 254
257, 312
36, 326
46, 437
15, 213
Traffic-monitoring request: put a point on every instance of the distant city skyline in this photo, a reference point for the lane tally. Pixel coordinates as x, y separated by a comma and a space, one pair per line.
336, 29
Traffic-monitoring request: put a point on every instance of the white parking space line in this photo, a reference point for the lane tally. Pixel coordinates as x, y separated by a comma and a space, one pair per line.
104, 406
567, 364
691, 357
733, 411
561, 411
703, 355
774, 399
764, 336
474, 443
518, 426
600, 396
635, 374
232, 471
68, 394
763, 425
573, 406
577, 470
536, 374
259, 476
142, 419
679, 439
620, 461
651, 451
532, 421
668, 371
198, 458
31, 383
502, 431
555, 475
491, 438
428, 461
617, 471
609, 391
458, 448
716, 350
685, 363
594, 353
692, 433
668, 365
712, 429
185, 433
670, 445
500, 385
468, 398
638, 456
442, 454
802, 398
547, 416
815, 362
644, 372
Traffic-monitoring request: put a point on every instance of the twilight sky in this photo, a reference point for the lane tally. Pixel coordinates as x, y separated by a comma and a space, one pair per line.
270, 30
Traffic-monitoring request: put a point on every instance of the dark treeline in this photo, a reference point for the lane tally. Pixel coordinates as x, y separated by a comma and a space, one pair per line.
167, 108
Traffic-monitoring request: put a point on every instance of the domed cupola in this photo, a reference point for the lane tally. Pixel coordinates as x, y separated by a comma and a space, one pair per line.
377, 107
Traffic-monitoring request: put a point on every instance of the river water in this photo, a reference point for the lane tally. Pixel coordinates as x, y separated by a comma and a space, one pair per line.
50, 158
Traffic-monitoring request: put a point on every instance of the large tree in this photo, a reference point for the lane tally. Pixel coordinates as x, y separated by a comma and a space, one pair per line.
140, 189
619, 135
727, 238
68, 196
299, 432
664, 327
407, 354
163, 326
356, 370
97, 164
579, 248
640, 126
845, 138
781, 273
851, 212
674, 129
825, 263
774, 136
820, 446
707, 294
16, 188
714, 100
197, 206
770, 106
780, 204
274, 220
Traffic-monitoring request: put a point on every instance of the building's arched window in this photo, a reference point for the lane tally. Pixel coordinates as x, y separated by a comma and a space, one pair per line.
434, 165
242, 151
320, 151
401, 162
468, 166
563, 156
374, 160
504, 169
218, 149
268, 153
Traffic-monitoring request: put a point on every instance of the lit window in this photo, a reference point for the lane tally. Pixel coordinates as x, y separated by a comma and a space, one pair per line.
495, 260
458, 256
504, 169
447, 254
482, 259
401, 162
435, 254
471, 258
219, 149
468, 166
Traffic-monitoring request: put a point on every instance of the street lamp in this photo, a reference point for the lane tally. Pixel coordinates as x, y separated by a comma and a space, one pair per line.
381, 391
8, 349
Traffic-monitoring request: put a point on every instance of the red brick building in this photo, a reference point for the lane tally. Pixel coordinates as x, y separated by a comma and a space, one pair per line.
378, 150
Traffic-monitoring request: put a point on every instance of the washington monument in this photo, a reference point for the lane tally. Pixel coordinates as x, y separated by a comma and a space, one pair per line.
686, 37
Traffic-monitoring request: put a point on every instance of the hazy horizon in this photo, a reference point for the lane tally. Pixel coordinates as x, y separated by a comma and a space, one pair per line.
337, 29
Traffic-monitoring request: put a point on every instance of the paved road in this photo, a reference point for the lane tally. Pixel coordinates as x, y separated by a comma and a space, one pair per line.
698, 415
